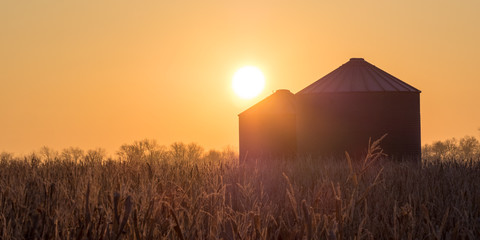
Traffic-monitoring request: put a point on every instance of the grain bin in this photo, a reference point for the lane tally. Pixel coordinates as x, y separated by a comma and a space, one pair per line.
355, 102
267, 129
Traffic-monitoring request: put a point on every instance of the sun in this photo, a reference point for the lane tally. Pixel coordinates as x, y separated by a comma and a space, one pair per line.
248, 82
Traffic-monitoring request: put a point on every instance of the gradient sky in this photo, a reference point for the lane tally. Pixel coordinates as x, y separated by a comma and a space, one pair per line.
104, 73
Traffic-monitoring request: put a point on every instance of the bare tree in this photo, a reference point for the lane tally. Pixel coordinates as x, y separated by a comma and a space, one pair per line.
6, 156
181, 152
194, 152
467, 147
178, 151
142, 151
74, 154
48, 154
95, 155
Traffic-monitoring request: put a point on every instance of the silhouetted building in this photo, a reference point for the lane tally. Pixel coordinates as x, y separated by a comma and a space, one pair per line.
355, 102
337, 113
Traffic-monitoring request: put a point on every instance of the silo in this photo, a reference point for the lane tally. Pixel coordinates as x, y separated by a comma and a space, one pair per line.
355, 102
267, 129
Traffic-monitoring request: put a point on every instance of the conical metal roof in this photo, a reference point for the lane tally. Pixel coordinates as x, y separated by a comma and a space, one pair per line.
357, 75
280, 102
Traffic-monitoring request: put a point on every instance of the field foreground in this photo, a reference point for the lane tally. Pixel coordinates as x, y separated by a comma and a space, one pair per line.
370, 198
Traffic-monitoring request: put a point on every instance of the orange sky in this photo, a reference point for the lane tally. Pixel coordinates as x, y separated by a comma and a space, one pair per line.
103, 73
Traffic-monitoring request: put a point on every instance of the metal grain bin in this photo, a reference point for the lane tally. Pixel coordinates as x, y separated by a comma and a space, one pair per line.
267, 129
355, 102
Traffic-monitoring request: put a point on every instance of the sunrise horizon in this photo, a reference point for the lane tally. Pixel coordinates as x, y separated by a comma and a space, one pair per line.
100, 75
250, 96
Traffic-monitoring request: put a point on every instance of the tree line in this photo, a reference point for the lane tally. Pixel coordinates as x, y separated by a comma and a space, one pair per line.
466, 148
463, 149
143, 150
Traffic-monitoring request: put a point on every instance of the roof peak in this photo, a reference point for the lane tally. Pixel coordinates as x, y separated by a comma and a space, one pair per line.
358, 75
279, 102
283, 91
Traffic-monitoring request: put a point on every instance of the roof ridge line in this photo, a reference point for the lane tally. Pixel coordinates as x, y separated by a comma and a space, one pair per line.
399, 81
387, 82
358, 76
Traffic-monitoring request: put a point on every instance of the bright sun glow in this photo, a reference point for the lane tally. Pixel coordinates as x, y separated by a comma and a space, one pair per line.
248, 82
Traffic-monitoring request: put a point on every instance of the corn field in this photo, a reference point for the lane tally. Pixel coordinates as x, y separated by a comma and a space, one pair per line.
163, 198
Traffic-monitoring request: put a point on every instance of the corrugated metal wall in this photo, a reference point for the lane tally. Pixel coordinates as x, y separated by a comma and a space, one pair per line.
268, 129
267, 135
332, 123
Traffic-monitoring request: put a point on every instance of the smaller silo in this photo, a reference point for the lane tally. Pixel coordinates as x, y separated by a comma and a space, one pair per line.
268, 128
